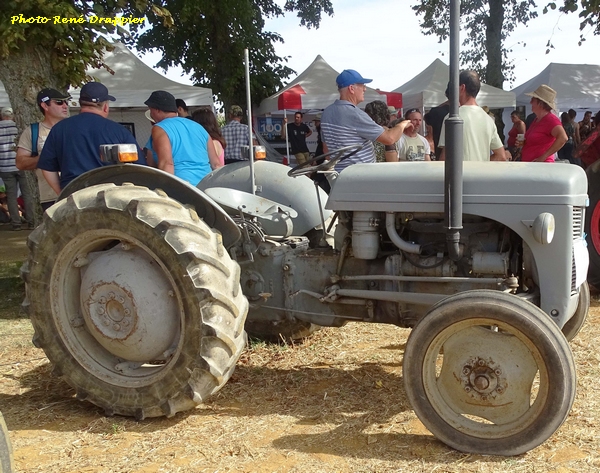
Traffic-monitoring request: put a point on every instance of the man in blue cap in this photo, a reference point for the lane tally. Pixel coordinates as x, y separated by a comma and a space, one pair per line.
344, 124
73, 144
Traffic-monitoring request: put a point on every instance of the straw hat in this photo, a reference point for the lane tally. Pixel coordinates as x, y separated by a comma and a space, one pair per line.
546, 94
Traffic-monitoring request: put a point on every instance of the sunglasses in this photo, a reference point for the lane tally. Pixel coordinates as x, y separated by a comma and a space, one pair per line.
60, 102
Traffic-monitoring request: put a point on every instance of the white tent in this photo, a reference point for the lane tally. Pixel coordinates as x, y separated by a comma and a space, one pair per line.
577, 86
315, 89
132, 83
427, 89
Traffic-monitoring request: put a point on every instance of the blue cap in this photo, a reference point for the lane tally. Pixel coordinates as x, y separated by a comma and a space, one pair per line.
95, 92
349, 77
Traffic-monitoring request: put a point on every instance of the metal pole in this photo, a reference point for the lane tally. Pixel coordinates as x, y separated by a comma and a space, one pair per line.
453, 167
249, 107
287, 143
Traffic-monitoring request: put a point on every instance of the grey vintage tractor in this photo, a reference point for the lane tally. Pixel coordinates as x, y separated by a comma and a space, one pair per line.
138, 284
141, 287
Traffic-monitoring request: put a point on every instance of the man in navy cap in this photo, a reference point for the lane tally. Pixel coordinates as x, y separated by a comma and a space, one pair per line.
73, 145
344, 124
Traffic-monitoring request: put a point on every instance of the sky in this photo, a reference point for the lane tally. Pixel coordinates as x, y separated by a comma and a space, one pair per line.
381, 39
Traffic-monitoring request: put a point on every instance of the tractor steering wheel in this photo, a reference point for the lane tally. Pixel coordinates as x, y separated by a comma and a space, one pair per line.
337, 156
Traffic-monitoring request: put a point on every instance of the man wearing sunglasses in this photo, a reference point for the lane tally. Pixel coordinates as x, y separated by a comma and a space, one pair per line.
54, 106
344, 124
73, 145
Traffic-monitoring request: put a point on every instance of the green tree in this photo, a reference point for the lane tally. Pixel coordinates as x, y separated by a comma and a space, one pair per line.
50, 43
208, 39
486, 25
588, 11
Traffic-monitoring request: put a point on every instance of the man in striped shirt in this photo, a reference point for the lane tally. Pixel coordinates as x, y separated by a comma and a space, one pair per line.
344, 124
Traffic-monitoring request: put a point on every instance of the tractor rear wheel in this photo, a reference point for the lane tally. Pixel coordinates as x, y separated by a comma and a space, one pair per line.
489, 373
134, 300
592, 227
6, 462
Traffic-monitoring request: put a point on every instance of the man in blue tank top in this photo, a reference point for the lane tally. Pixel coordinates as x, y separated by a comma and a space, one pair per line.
183, 147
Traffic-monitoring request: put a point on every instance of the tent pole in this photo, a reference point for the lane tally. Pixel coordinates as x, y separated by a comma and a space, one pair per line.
287, 143
249, 102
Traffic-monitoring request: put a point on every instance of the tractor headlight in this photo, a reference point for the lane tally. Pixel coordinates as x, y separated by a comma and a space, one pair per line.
543, 228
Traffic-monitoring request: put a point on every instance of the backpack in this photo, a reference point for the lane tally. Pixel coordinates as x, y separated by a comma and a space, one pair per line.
35, 131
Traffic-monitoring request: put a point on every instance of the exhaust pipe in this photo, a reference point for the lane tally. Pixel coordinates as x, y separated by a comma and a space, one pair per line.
453, 166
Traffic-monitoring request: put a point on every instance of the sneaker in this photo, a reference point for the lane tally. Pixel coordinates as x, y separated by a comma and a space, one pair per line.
30, 226
16, 228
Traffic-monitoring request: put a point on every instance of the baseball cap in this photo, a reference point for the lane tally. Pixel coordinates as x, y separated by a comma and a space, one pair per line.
45, 95
236, 111
7, 111
349, 77
162, 100
95, 92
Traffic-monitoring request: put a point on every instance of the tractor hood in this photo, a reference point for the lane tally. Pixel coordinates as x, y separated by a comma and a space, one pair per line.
394, 187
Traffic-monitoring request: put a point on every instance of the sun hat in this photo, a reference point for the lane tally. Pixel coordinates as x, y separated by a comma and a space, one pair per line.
162, 100
546, 94
95, 92
318, 116
45, 95
147, 115
349, 77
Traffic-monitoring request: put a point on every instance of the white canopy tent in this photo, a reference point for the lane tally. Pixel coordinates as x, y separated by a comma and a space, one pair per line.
315, 89
132, 83
427, 89
577, 86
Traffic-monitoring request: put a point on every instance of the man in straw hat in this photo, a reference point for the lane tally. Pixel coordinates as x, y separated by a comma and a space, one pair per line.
546, 135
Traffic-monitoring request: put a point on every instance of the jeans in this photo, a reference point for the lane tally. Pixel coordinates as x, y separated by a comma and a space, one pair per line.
11, 179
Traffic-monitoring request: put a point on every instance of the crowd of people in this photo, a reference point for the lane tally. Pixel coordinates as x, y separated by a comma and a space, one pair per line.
60, 147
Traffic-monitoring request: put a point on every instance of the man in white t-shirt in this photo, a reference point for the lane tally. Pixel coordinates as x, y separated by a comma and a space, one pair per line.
480, 135
411, 146
54, 106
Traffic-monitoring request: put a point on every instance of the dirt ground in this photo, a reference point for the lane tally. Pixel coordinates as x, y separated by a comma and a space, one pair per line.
333, 403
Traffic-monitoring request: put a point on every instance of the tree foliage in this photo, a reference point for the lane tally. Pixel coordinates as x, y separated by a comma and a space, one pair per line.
588, 11
486, 24
208, 39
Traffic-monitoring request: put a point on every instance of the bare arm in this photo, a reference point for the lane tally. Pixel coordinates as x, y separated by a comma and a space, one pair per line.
391, 135
162, 147
443, 155
213, 157
577, 135
498, 155
24, 160
561, 138
284, 129
53, 180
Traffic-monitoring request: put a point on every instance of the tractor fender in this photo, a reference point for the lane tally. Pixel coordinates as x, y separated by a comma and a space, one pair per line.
176, 188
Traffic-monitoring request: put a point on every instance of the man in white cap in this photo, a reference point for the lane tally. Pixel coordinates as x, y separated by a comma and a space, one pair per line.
546, 135
73, 145
344, 124
55, 107
10, 174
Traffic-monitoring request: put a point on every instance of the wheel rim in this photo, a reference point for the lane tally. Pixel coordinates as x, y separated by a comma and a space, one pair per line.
492, 395
93, 345
595, 227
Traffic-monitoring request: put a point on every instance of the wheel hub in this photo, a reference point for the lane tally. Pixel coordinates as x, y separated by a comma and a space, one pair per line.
112, 311
482, 378
129, 305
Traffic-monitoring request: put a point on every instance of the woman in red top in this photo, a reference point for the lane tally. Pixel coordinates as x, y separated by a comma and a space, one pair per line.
518, 128
546, 134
